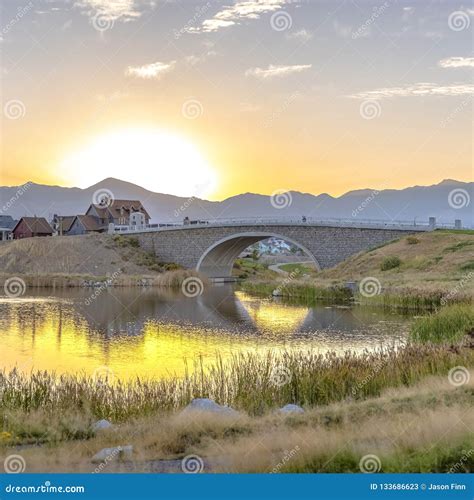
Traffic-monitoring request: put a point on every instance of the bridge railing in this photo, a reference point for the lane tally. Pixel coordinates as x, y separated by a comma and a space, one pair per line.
279, 221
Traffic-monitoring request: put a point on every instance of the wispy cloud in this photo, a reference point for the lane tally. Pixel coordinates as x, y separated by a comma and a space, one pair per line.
241, 10
302, 35
276, 71
192, 60
417, 89
457, 62
148, 71
112, 10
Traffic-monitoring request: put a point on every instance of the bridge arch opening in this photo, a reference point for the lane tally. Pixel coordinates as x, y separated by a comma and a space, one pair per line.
218, 260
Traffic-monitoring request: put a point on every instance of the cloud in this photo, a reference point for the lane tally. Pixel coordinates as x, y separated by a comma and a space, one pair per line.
303, 35
457, 62
417, 90
148, 71
241, 10
192, 60
276, 71
111, 10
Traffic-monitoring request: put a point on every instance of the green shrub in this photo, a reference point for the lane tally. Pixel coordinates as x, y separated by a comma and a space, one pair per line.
390, 263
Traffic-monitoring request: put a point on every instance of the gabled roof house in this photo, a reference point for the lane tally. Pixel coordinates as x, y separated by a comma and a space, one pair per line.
28, 227
116, 212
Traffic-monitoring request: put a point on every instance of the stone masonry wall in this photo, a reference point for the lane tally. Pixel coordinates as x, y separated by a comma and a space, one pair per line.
328, 245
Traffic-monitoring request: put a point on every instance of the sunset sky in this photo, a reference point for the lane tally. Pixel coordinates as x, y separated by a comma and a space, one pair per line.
219, 98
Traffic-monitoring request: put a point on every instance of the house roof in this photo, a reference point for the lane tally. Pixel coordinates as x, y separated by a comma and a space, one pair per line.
88, 222
116, 205
7, 221
66, 222
35, 225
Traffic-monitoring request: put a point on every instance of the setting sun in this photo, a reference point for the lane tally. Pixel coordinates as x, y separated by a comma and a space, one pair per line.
165, 162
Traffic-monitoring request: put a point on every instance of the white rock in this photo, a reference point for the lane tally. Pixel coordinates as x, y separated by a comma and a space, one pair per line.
204, 405
101, 425
116, 453
277, 293
291, 409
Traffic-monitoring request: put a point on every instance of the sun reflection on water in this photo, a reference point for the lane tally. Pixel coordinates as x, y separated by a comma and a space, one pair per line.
154, 336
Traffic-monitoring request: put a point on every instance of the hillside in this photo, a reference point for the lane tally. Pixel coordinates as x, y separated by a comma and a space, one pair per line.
447, 201
434, 261
93, 254
427, 257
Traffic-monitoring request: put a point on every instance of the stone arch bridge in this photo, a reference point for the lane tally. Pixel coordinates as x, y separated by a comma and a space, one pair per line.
212, 248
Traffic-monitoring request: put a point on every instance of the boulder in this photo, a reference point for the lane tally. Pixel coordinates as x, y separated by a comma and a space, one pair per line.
204, 405
101, 425
290, 408
111, 454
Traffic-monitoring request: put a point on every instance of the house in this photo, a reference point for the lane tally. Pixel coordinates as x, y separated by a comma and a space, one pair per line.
84, 224
28, 227
118, 212
7, 223
62, 224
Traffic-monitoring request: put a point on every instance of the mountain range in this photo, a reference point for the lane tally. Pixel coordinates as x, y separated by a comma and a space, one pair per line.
447, 201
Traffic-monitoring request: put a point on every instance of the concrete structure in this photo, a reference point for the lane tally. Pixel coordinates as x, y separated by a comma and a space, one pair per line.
212, 248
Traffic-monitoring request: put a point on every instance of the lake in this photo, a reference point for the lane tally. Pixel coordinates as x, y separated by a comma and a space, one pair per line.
123, 333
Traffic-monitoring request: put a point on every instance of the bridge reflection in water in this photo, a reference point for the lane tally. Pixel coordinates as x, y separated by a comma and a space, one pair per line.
149, 333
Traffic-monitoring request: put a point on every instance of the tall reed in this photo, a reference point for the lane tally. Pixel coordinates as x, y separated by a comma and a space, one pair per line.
249, 382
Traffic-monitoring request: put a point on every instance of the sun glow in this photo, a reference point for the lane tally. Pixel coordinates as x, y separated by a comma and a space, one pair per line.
152, 158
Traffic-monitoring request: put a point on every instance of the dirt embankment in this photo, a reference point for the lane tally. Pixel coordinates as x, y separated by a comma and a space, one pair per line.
69, 260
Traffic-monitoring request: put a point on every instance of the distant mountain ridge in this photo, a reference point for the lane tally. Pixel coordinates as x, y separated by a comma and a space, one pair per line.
447, 201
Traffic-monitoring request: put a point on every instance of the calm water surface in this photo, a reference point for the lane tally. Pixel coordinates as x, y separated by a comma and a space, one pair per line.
150, 333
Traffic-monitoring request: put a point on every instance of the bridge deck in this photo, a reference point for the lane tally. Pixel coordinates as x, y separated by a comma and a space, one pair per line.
282, 221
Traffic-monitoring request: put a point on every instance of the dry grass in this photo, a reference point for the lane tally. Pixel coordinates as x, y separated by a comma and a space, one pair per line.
89, 255
436, 261
419, 429
251, 382
174, 279
437, 267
